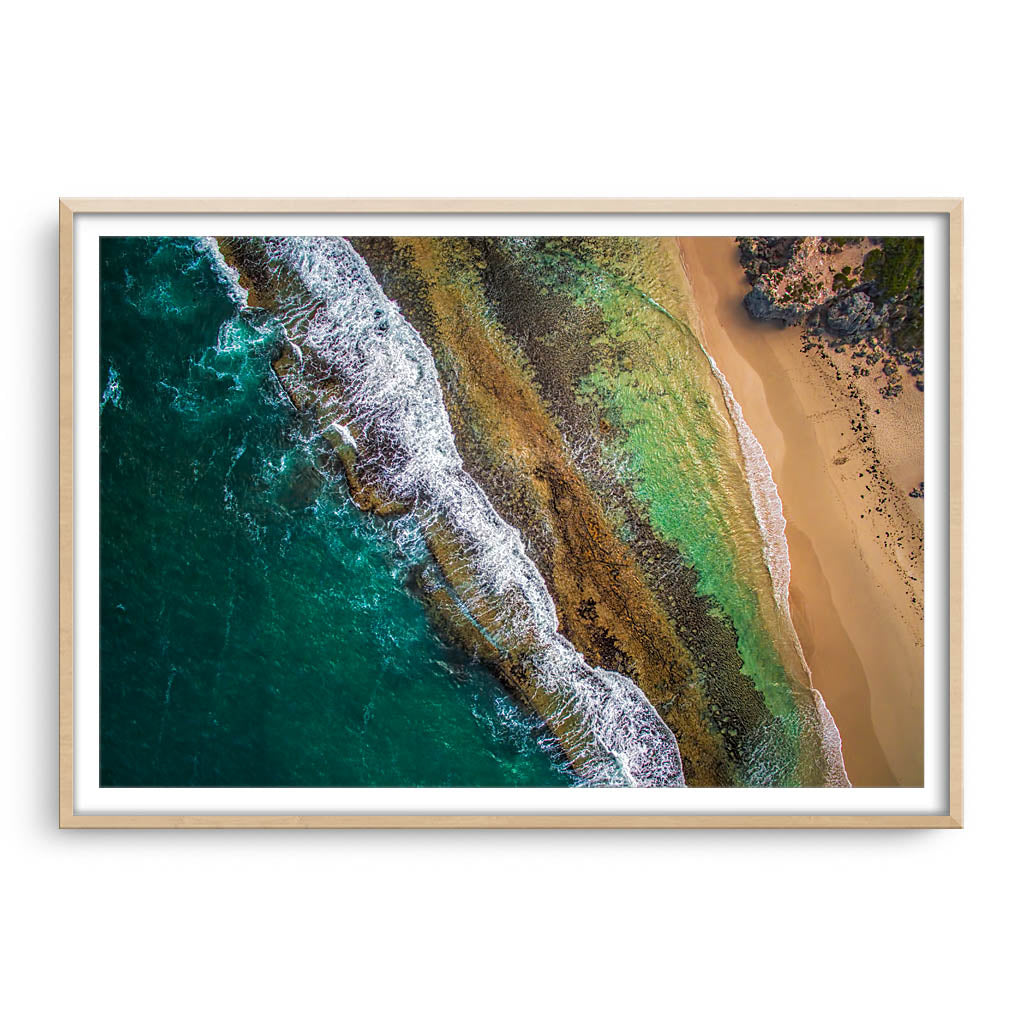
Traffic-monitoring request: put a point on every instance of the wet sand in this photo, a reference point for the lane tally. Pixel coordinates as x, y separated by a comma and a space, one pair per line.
855, 538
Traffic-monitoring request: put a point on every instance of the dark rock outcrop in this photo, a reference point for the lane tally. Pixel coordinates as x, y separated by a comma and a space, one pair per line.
762, 306
840, 292
852, 315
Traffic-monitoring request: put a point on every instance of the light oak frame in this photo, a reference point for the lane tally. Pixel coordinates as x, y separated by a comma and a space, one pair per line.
953, 208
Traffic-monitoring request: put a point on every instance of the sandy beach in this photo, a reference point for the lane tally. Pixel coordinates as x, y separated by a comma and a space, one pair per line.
844, 460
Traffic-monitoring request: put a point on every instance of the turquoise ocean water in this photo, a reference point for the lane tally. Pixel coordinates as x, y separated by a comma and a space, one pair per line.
255, 627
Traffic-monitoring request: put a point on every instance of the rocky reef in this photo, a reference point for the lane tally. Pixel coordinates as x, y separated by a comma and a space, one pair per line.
527, 343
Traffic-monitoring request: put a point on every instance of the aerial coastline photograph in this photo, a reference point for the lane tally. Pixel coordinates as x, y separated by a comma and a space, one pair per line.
511, 511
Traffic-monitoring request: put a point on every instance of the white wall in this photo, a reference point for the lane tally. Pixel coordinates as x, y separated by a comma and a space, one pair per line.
862, 98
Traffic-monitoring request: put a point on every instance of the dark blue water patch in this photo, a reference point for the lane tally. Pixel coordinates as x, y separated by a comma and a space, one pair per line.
255, 627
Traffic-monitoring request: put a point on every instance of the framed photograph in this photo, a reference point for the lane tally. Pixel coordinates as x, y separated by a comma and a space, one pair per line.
511, 513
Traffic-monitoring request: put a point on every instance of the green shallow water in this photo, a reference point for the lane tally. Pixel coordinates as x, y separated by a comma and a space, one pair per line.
654, 382
255, 627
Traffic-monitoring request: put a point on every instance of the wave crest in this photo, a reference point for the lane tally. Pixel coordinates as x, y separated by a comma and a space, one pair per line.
385, 392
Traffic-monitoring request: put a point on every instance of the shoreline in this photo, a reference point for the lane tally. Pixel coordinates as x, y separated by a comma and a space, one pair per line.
855, 593
505, 401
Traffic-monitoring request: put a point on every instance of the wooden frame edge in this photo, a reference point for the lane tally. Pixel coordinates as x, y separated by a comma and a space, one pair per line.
66, 516
511, 821
69, 206
956, 499
370, 204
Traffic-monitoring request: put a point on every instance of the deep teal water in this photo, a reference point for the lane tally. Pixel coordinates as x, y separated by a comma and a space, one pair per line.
255, 627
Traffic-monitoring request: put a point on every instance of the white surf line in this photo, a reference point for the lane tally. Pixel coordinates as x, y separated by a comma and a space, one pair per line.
771, 522
771, 525
226, 274
393, 403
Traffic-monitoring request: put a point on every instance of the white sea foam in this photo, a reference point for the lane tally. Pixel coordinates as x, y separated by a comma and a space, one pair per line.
772, 523
227, 274
831, 743
767, 504
391, 404
112, 392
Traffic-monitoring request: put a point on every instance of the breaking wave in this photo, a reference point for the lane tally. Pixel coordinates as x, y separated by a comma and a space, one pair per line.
226, 274
385, 399
772, 523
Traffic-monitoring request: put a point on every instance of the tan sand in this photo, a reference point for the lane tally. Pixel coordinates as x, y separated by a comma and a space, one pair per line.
855, 537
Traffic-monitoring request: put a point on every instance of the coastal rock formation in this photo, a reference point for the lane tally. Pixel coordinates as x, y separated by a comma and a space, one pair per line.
763, 305
868, 291
852, 315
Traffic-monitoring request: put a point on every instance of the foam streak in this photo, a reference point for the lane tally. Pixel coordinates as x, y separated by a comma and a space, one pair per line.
772, 523
390, 403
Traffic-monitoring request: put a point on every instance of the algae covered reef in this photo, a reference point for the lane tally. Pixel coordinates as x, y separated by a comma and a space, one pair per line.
601, 532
